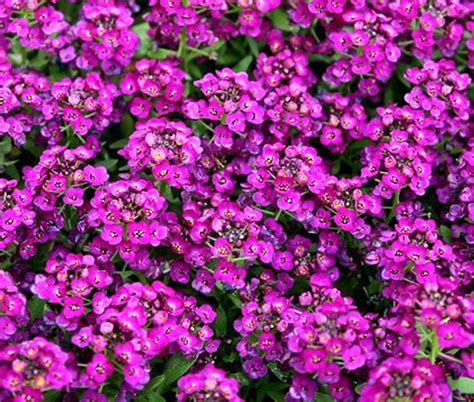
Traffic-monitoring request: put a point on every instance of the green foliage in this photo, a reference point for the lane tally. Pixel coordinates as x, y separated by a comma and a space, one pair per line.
465, 385
176, 366
36, 307
145, 40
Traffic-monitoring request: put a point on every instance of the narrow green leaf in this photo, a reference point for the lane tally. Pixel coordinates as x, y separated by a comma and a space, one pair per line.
36, 307
110, 164
241, 378
276, 396
320, 397
145, 41
176, 367
388, 95
253, 46
167, 193
6, 145
127, 125
279, 17
445, 233
118, 144
465, 385
221, 322
278, 373
244, 64
150, 393
161, 54
12, 171
336, 166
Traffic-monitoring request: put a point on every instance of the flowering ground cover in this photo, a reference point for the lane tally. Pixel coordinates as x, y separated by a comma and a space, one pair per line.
219, 200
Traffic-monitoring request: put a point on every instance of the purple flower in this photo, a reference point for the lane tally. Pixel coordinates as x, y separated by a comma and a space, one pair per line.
254, 368
112, 234
73, 307
353, 358
452, 335
99, 369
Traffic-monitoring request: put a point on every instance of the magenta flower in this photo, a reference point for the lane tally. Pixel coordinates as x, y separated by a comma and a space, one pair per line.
221, 248
452, 335
73, 307
99, 369
112, 234
353, 358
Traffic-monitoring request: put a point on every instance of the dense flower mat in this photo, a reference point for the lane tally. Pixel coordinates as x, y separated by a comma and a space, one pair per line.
218, 200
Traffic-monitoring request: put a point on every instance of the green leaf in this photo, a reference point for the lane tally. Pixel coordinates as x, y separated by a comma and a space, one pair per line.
241, 378
236, 300
253, 46
388, 95
260, 395
150, 392
175, 367
154, 398
118, 144
221, 322
320, 397
278, 373
40, 61
10, 163
276, 396
12, 171
244, 64
401, 75
274, 386
194, 71
336, 166
215, 47
161, 54
127, 125
227, 58
230, 357
434, 347
36, 308
187, 89
145, 40
445, 233
110, 164
32, 148
52, 396
465, 385
279, 17
167, 193
6, 145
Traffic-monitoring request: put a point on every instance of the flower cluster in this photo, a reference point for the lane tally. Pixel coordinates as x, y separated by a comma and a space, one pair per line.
84, 104
22, 96
231, 98
106, 40
210, 382
13, 307
30, 367
215, 200
139, 323
319, 334
39, 26
440, 91
403, 154
152, 79
170, 20
405, 378
166, 149
29, 103
128, 215
71, 278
